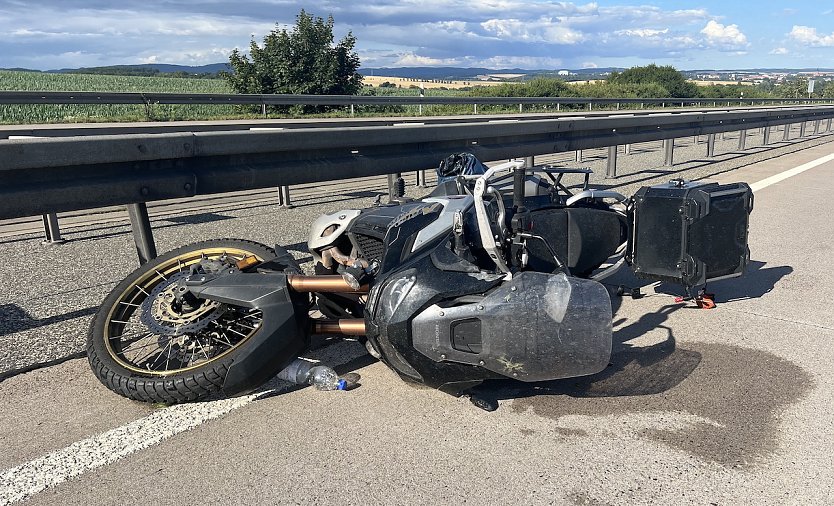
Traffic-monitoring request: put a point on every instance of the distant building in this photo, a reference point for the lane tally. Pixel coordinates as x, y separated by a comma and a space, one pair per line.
563, 73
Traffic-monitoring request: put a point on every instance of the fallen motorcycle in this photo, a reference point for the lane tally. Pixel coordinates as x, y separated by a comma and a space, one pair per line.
496, 274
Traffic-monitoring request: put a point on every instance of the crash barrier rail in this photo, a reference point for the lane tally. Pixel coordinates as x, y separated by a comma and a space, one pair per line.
150, 99
158, 127
41, 176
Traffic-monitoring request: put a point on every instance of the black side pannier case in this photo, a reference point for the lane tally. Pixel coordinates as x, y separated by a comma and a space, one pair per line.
690, 232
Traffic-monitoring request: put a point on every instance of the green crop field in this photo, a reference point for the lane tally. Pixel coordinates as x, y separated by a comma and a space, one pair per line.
35, 81
69, 113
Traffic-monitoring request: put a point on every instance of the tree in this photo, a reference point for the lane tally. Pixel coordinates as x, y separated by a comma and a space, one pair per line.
303, 60
794, 88
828, 90
667, 76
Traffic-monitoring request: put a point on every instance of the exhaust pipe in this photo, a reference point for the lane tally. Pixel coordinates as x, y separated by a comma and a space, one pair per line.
323, 284
346, 326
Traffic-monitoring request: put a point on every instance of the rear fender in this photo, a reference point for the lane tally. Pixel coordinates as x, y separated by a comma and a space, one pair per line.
284, 331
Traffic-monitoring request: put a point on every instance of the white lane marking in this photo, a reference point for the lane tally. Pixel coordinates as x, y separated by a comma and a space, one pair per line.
764, 183
54, 468
28, 479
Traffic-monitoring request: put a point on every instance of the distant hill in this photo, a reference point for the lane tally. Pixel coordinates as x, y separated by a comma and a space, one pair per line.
442, 73
469, 73
20, 69
448, 73
149, 69
784, 70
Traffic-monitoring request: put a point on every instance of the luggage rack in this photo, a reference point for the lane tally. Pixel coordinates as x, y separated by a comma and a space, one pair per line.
554, 173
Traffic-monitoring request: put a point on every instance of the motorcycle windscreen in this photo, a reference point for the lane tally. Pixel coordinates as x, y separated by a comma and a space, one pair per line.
536, 327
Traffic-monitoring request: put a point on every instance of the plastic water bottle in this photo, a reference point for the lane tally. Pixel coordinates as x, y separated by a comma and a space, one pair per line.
306, 372
325, 378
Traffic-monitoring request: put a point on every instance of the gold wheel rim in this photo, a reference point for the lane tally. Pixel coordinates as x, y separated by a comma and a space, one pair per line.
129, 302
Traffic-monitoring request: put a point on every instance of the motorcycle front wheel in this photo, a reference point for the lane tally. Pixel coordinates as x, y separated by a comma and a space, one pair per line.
148, 345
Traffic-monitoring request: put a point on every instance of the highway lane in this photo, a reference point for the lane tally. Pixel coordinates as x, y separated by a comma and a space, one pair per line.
728, 406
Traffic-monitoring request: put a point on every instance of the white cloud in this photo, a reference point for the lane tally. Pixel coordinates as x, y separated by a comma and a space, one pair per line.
524, 62
808, 36
414, 60
545, 30
778, 50
589, 65
410, 59
724, 36
642, 32
490, 33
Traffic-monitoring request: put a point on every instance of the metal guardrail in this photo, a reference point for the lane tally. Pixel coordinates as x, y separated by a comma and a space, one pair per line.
158, 127
92, 97
48, 175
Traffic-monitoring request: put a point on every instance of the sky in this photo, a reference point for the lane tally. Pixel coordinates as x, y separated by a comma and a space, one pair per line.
531, 34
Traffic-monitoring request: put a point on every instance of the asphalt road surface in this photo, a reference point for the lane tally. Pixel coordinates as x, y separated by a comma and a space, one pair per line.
726, 406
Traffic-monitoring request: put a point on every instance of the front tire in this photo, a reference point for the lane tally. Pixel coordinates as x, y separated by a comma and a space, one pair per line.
145, 345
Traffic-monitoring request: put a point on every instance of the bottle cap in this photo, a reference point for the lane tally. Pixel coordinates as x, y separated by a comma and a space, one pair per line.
341, 385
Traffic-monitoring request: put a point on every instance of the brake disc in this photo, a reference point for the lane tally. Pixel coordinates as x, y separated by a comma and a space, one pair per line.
163, 314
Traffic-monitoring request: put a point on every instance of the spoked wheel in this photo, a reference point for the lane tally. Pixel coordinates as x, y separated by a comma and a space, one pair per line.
153, 341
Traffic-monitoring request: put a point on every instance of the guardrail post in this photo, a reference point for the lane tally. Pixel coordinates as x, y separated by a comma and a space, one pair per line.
786, 133
284, 197
611, 166
529, 162
263, 110
668, 152
816, 127
352, 111
51, 229
558, 106
641, 105
590, 106
627, 149
828, 126
766, 136
742, 139
710, 145
140, 223
520, 107
396, 186
421, 179
476, 108
148, 108
578, 155
802, 129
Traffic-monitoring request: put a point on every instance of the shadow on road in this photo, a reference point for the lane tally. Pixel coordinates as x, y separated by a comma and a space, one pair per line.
735, 394
14, 318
